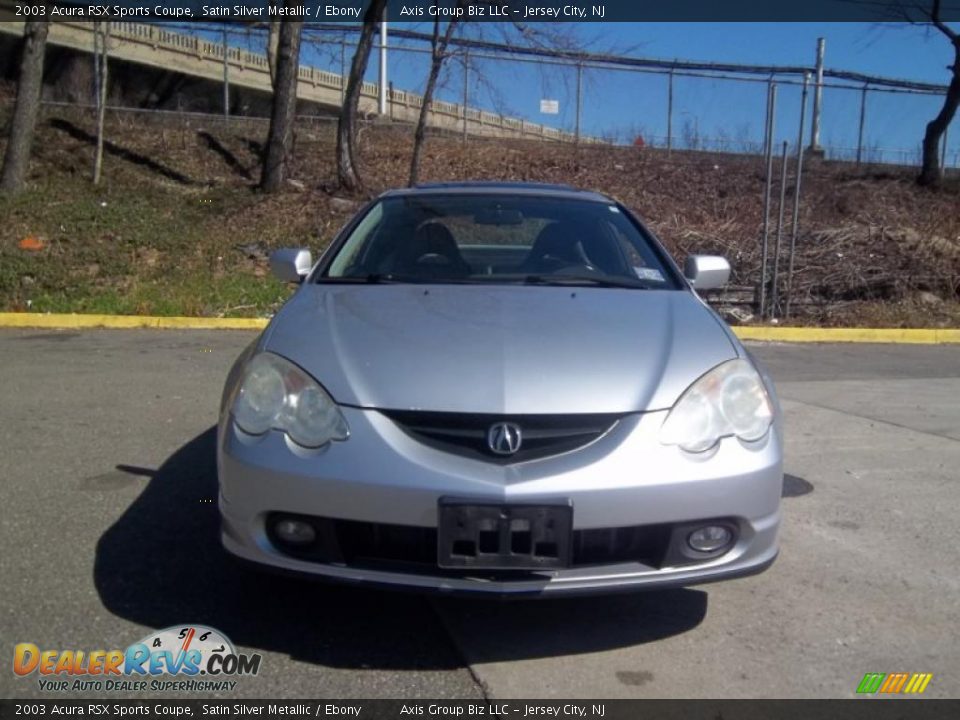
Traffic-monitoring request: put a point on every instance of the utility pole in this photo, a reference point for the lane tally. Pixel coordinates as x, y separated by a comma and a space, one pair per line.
817, 99
383, 64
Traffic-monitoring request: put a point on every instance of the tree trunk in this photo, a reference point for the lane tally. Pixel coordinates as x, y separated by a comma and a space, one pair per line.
27, 106
931, 172
280, 139
347, 174
439, 48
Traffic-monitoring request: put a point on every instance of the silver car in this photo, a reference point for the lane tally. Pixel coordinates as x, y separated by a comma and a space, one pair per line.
500, 388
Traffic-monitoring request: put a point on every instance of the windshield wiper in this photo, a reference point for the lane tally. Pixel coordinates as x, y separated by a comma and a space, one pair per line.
371, 279
609, 281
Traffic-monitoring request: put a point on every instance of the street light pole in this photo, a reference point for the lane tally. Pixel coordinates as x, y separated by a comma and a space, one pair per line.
226, 76
817, 99
383, 64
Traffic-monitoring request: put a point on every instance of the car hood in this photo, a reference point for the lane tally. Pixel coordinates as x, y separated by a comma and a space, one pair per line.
500, 349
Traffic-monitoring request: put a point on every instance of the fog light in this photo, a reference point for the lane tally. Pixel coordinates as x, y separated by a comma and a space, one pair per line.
295, 532
710, 538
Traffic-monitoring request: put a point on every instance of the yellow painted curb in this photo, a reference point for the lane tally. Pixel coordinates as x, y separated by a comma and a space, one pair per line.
923, 336
71, 322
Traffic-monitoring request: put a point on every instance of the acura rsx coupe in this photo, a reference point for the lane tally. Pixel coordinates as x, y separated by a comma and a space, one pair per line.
500, 388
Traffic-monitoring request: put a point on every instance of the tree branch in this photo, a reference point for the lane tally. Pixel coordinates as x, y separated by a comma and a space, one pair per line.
940, 25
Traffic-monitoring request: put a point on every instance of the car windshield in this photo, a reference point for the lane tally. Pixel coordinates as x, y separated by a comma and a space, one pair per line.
493, 238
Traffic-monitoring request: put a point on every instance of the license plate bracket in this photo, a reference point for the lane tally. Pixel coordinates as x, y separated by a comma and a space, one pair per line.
498, 536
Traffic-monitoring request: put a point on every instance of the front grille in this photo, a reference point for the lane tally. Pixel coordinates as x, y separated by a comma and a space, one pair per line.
466, 433
405, 548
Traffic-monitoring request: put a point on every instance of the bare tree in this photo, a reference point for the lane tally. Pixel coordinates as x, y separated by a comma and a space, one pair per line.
27, 106
561, 40
280, 138
347, 173
438, 53
930, 171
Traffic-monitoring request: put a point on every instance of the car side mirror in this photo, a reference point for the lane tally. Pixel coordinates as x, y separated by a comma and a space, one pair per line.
706, 272
291, 264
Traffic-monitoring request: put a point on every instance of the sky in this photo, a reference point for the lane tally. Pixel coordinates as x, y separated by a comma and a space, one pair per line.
622, 105
628, 104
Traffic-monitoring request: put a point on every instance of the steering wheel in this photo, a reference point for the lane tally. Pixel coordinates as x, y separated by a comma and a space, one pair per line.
553, 264
434, 260
576, 269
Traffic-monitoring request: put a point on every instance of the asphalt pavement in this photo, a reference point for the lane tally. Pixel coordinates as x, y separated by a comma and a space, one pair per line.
109, 532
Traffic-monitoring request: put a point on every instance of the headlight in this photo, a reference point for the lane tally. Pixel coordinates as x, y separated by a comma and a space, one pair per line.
728, 400
276, 394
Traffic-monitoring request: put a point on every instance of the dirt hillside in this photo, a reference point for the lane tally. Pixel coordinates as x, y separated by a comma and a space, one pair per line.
177, 226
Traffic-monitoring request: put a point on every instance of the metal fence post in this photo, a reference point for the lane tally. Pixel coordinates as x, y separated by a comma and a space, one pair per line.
579, 100
768, 151
863, 119
670, 111
943, 151
796, 195
776, 245
466, 90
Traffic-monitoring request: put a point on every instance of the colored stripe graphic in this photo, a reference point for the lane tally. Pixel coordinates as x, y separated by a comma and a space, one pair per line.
918, 683
871, 683
893, 683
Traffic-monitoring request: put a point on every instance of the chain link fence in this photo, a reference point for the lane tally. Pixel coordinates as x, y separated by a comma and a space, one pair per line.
685, 110
489, 91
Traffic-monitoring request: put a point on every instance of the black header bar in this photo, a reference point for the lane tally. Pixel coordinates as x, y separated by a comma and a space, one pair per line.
518, 11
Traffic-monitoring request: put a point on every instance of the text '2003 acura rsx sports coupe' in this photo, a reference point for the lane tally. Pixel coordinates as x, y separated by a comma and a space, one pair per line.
503, 388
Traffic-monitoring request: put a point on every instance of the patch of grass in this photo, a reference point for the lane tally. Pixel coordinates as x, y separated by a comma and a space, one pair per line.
134, 245
240, 295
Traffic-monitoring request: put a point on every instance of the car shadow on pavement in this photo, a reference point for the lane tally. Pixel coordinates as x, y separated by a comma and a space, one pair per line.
161, 564
491, 632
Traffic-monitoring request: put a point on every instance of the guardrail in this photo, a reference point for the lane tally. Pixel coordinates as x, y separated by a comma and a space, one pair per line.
157, 46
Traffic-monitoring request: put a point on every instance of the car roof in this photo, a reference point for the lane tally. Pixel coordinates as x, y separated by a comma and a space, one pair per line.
566, 192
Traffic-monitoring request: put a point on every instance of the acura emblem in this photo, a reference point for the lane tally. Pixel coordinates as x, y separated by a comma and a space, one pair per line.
504, 438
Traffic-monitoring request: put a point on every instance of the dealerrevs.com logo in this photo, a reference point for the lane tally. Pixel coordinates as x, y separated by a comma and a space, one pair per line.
185, 658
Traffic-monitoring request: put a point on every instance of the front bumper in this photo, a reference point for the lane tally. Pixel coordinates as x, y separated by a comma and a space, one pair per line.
382, 476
